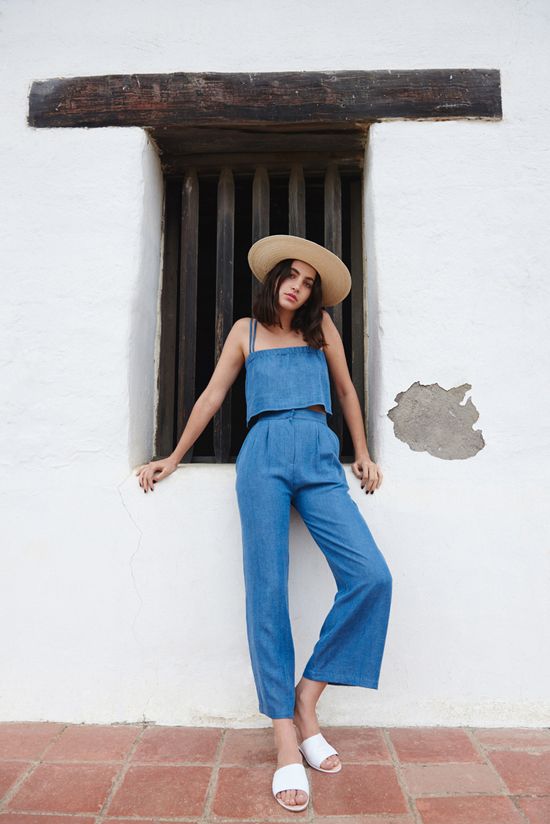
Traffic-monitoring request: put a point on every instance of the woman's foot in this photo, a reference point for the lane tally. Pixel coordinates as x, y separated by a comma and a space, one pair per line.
288, 753
305, 717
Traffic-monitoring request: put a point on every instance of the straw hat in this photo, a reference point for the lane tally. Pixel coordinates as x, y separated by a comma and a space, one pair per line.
334, 274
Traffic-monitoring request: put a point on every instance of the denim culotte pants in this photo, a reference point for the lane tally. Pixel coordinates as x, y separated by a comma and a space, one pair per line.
291, 457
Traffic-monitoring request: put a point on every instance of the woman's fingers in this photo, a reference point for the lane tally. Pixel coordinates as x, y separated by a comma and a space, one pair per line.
145, 478
151, 473
368, 478
361, 471
365, 476
374, 481
369, 474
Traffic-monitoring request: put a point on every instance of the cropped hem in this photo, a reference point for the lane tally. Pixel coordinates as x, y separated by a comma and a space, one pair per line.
276, 714
286, 408
343, 680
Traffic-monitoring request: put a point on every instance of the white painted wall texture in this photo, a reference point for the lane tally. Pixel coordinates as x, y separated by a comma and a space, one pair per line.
118, 606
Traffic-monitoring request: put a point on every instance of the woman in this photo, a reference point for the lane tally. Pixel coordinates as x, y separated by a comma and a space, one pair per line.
290, 456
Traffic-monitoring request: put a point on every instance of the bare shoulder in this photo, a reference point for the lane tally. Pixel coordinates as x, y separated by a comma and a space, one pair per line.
239, 335
241, 328
336, 356
329, 327
335, 346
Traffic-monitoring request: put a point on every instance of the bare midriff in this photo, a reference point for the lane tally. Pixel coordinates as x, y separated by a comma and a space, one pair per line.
317, 408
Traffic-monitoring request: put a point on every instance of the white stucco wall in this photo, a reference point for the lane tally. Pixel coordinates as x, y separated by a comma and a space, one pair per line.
118, 606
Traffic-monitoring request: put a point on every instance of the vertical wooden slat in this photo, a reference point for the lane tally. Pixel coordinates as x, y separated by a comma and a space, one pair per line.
333, 241
297, 201
189, 249
166, 424
359, 338
333, 225
260, 215
224, 300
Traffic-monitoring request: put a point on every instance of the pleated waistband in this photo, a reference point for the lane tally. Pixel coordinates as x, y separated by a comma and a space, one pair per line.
301, 414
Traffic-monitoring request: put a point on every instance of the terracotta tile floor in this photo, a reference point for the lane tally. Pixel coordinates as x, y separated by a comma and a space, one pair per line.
54, 773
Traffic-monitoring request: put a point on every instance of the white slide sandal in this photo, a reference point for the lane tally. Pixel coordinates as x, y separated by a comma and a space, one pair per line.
290, 777
315, 749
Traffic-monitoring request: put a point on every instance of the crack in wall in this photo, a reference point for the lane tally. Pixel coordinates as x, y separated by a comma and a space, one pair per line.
144, 716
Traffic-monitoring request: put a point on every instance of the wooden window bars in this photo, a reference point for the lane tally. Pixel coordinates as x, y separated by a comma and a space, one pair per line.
214, 211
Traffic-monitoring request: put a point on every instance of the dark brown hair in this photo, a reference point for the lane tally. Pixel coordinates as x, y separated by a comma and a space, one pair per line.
308, 318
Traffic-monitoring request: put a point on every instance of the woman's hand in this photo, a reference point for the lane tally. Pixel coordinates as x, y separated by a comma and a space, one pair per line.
146, 472
369, 472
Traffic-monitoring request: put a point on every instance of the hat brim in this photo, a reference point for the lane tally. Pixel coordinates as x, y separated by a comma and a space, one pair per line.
270, 250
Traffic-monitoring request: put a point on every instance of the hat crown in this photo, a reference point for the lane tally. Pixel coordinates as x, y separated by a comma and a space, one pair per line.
335, 276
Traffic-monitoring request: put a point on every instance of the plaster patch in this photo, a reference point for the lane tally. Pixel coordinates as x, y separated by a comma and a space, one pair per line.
431, 419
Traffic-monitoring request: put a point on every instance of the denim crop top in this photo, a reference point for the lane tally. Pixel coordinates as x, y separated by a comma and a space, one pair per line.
287, 377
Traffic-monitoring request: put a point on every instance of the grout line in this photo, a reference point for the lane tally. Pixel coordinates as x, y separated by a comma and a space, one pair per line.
484, 752
399, 774
210, 794
309, 809
28, 772
120, 776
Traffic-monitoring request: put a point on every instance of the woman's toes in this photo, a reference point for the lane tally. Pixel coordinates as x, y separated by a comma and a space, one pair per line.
292, 796
330, 763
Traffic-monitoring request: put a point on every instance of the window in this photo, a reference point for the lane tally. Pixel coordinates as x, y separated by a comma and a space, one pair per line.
216, 206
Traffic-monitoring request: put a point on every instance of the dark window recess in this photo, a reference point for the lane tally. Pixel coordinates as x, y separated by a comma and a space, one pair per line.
212, 217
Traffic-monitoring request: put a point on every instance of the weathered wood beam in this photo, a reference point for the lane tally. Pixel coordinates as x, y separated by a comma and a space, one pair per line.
306, 138
275, 161
249, 98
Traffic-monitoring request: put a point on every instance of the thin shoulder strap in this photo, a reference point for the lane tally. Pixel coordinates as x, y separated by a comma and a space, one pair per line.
252, 334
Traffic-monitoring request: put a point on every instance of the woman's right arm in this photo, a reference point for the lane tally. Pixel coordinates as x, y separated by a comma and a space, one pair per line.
207, 404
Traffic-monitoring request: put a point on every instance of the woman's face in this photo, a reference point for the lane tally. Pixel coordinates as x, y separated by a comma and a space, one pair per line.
296, 288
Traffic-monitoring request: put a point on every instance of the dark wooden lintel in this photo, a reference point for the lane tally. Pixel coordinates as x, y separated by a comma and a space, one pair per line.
246, 163
266, 98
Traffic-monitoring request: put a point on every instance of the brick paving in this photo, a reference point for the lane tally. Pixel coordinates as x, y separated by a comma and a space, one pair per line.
54, 773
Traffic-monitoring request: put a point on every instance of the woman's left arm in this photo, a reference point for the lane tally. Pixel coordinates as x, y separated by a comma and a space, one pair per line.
363, 467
